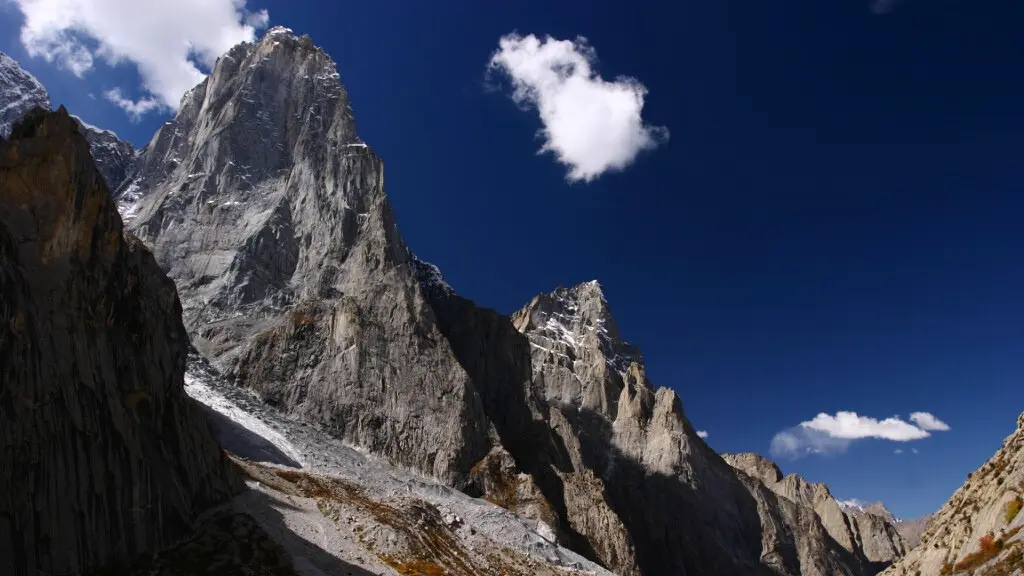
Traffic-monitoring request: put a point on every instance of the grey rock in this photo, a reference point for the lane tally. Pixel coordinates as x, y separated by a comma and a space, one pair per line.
657, 500
270, 215
870, 535
20, 92
102, 456
913, 529
113, 157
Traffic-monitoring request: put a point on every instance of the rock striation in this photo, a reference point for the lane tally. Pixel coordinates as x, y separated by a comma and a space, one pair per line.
979, 530
102, 456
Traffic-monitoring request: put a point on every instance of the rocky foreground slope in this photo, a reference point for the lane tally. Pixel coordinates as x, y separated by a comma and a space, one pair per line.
979, 530
102, 456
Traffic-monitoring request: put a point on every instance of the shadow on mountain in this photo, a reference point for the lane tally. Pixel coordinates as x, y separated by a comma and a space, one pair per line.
496, 357
307, 557
238, 440
674, 528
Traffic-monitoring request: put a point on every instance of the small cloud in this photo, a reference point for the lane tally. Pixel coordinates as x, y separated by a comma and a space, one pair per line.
926, 421
135, 109
914, 450
590, 124
898, 451
703, 434
827, 434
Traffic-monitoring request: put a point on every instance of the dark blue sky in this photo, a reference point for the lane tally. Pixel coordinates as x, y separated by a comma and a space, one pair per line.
835, 223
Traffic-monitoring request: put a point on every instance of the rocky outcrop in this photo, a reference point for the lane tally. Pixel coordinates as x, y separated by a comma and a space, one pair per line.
868, 534
21, 92
979, 530
680, 509
102, 456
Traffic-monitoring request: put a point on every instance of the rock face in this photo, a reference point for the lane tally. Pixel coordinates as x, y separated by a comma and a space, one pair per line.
911, 530
978, 530
102, 456
21, 92
678, 508
112, 156
270, 215
869, 534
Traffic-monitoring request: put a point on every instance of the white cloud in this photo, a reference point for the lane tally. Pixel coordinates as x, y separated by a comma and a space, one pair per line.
914, 450
134, 108
703, 433
591, 125
827, 434
926, 421
163, 40
898, 451
850, 426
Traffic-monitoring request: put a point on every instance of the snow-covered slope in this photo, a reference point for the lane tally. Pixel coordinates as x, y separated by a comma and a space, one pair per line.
19, 93
363, 518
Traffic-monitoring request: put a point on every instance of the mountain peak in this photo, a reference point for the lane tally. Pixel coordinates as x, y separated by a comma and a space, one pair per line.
19, 93
578, 317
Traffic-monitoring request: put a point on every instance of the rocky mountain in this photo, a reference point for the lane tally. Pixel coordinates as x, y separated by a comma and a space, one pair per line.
978, 531
911, 530
102, 455
868, 533
644, 463
21, 92
112, 156
269, 213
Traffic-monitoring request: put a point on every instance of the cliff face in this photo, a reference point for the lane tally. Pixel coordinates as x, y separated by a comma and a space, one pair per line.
979, 530
102, 456
649, 495
870, 536
270, 215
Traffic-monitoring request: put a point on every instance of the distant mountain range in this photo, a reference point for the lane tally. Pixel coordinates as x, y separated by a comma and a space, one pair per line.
352, 386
